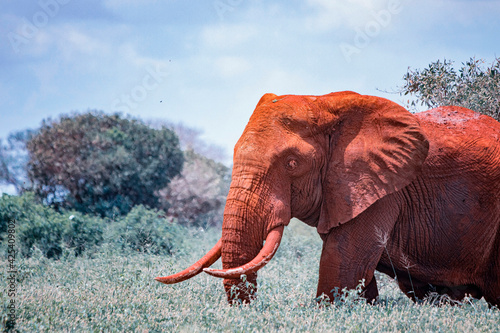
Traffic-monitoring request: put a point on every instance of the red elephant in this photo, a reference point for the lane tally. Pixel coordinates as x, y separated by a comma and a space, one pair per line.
411, 195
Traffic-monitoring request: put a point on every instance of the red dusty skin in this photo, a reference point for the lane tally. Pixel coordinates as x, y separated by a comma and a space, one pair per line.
265, 255
208, 259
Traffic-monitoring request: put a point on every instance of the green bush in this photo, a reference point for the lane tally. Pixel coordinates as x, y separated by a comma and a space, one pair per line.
15, 208
41, 227
146, 231
83, 232
36, 225
43, 230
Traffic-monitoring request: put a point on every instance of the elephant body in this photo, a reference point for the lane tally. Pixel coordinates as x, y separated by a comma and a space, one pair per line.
459, 218
412, 196
441, 233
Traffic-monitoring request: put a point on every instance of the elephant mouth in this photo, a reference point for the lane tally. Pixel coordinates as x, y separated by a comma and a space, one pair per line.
265, 255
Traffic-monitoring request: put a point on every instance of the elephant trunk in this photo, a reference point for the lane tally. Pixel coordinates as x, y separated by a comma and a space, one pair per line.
241, 242
250, 218
240, 273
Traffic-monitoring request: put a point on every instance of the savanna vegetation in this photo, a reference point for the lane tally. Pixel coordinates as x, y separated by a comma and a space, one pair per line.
112, 291
106, 203
475, 86
102, 164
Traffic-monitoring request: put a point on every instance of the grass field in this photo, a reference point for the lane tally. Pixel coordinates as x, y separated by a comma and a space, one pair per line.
113, 293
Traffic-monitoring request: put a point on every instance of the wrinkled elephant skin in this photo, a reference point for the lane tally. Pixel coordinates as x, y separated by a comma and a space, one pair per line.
411, 195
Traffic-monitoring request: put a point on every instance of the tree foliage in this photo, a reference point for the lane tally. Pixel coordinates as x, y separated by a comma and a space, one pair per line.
474, 86
103, 164
197, 196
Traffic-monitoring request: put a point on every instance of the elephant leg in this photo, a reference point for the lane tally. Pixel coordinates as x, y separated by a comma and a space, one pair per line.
491, 291
371, 291
352, 251
345, 262
414, 289
419, 291
459, 292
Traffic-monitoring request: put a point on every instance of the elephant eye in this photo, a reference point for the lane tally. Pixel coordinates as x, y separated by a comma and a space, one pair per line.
292, 164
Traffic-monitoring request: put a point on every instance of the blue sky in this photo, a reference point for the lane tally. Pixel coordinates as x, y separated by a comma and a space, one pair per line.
207, 63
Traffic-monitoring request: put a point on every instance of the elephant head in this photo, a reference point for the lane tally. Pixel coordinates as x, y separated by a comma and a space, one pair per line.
321, 159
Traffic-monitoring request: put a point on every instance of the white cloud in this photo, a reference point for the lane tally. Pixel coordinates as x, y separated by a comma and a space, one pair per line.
7, 189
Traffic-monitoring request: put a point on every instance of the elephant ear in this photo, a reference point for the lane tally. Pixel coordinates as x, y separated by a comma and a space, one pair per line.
376, 148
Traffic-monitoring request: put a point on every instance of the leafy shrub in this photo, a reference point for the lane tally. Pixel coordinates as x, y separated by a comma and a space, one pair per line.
146, 231
36, 225
41, 227
473, 87
43, 230
101, 164
82, 232
16, 208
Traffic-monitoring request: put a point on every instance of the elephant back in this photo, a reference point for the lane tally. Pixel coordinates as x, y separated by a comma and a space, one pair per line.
462, 139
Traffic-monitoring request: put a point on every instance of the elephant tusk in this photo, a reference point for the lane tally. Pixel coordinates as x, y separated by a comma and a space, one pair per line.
207, 260
265, 255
